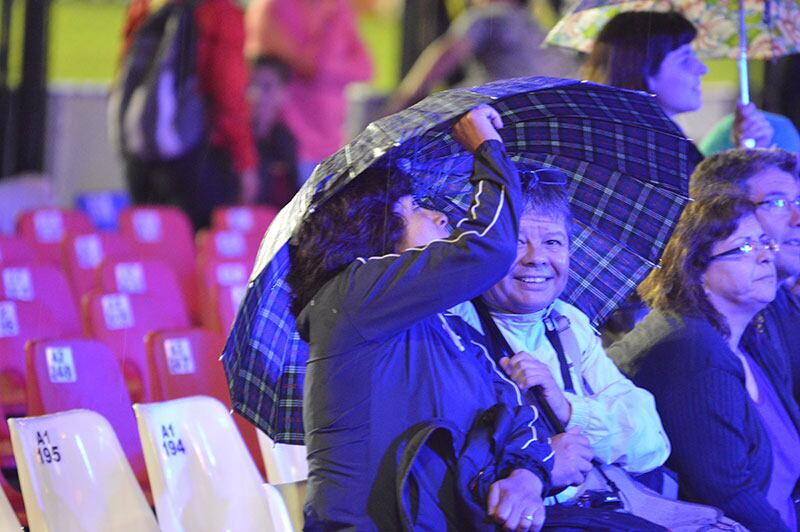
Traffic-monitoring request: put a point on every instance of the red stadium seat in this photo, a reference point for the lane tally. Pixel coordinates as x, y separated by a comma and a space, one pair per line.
227, 244
214, 277
69, 373
21, 321
84, 253
122, 321
14, 497
164, 233
16, 249
244, 218
43, 285
225, 301
153, 277
46, 228
186, 362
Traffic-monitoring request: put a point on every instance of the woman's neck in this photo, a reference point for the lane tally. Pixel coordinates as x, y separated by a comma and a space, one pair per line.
738, 321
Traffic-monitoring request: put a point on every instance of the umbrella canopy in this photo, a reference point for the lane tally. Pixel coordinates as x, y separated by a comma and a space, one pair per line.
754, 29
628, 167
772, 28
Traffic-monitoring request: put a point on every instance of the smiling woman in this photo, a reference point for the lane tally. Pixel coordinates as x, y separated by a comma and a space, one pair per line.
725, 402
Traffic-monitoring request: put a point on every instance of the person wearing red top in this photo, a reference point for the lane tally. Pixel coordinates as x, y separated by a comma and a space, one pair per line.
319, 41
202, 179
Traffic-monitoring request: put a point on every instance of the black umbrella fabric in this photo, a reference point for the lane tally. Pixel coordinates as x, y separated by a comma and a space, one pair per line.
627, 164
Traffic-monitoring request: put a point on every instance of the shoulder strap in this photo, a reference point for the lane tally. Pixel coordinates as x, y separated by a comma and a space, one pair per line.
499, 348
559, 332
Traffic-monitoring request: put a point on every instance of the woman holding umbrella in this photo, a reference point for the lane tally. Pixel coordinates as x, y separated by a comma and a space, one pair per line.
373, 274
725, 402
652, 51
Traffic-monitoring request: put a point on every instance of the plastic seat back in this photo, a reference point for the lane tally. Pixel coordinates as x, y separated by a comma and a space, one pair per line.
44, 285
46, 228
285, 463
122, 321
8, 517
243, 218
164, 233
20, 321
186, 363
222, 287
16, 249
202, 476
103, 207
65, 374
75, 477
85, 252
153, 277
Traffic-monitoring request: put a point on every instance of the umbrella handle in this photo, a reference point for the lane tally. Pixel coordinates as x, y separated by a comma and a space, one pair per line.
744, 86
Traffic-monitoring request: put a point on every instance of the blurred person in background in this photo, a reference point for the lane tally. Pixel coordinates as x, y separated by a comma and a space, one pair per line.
276, 145
725, 402
491, 40
652, 52
201, 179
319, 41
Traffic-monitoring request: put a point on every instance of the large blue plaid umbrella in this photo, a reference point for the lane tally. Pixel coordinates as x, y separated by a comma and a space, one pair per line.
628, 166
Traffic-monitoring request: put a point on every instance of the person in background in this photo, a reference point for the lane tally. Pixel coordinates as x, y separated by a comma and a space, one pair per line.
617, 421
726, 404
319, 41
652, 52
276, 145
491, 40
771, 180
201, 180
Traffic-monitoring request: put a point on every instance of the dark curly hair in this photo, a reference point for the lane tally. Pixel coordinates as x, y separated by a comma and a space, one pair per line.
632, 45
358, 221
676, 287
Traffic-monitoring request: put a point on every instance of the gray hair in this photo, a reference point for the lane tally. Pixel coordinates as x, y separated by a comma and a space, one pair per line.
544, 192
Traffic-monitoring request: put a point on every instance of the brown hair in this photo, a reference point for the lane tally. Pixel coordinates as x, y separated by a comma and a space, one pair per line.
358, 221
727, 172
632, 45
676, 287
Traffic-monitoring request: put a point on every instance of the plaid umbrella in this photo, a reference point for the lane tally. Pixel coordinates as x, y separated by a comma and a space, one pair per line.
628, 166
752, 29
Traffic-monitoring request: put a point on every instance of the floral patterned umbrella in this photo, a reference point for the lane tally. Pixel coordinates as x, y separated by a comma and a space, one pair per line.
768, 28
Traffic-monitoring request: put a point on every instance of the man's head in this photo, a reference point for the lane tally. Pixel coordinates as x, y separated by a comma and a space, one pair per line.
540, 272
768, 178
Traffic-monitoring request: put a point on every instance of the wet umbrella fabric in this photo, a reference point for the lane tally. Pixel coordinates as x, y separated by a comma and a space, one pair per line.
627, 165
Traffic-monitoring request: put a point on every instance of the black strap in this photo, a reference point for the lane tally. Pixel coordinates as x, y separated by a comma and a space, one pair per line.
551, 331
500, 349
535, 395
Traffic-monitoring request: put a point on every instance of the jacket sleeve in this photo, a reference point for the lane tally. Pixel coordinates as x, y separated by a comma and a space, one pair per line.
704, 415
619, 419
387, 294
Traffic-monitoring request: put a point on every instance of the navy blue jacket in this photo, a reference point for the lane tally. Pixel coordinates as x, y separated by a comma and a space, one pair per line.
720, 448
384, 357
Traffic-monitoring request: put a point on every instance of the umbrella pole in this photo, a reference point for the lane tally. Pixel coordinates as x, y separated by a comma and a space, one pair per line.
744, 88
744, 79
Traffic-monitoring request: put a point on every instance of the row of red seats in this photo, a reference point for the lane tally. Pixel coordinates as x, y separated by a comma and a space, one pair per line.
64, 238
132, 301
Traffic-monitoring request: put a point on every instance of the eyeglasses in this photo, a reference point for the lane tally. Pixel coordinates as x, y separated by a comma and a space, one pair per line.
778, 205
748, 248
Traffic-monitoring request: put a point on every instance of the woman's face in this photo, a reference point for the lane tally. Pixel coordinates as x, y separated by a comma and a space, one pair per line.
677, 82
422, 225
741, 281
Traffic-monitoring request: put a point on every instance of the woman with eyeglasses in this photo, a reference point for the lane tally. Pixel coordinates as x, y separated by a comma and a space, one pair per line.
724, 403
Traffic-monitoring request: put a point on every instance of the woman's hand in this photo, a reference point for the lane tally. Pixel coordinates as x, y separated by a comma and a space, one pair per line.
750, 124
515, 502
528, 372
478, 126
